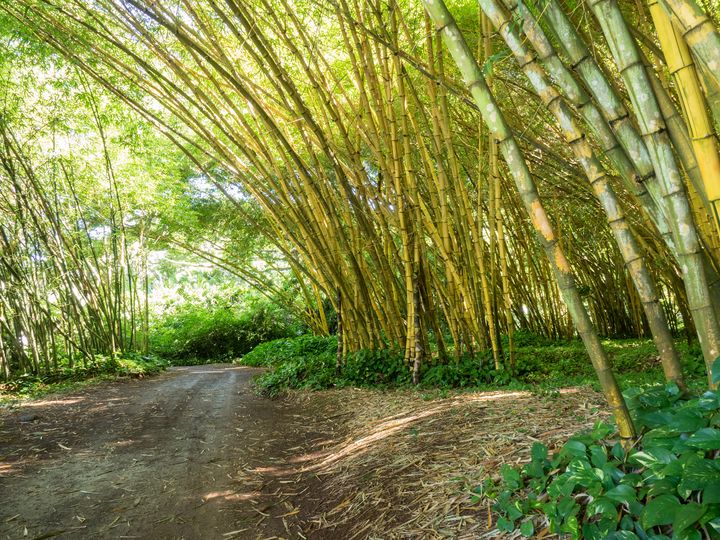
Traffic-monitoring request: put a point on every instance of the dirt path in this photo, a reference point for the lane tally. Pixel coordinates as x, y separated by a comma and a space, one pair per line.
195, 454
182, 455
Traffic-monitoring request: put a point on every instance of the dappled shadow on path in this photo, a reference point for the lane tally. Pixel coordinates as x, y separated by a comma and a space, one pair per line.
170, 456
386, 427
399, 466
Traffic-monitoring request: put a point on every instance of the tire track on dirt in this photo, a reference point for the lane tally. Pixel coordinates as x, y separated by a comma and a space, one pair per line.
171, 457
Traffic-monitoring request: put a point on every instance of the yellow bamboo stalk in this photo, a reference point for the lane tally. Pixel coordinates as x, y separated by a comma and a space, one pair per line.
682, 68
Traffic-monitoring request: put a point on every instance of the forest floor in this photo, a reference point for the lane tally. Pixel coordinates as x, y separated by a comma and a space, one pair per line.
195, 453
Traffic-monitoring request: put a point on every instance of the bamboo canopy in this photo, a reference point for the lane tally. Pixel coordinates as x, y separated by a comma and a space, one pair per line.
446, 177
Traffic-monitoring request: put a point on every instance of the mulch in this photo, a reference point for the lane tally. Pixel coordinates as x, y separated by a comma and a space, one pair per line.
401, 465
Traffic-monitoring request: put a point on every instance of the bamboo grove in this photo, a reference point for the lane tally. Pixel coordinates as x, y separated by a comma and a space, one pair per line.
446, 176
73, 279
64, 293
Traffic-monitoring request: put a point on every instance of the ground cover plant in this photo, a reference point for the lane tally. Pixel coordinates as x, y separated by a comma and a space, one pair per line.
665, 484
310, 362
67, 376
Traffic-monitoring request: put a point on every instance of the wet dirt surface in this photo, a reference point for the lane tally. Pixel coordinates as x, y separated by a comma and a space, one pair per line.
187, 454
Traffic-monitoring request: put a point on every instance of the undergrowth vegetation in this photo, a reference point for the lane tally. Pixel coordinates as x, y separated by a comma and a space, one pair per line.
68, 376
664, 485
221, 331
278, 351
309, 362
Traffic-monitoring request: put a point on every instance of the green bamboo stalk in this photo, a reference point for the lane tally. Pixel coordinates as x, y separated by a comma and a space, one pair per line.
652, 125
494, 119
611, 106
599, 181
576, 94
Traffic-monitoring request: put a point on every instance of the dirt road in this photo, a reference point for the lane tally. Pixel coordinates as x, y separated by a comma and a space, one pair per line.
192, 453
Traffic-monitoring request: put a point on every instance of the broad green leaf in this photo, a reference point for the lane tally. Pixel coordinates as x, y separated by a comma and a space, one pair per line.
672, 389
715, 372
591, 531
514, 512
612, 474
571, 526
652, 455
598, 456
688, 420
618, 451
711, 494
654, 419
535, 469
602, 506
622, 494
582, 473
636, 508
686, 516
624, 535
549, 509
653, 398
713, 512
539, 452
688, 534
562, 486
600, 431
662, 487
642, 458
566, 507
674, 468
627, 523
662, 432
632, 479
596, 488
505, 525
705, 439
574, 448
660, 511
709, 401
699, 474
510, 476
527, 529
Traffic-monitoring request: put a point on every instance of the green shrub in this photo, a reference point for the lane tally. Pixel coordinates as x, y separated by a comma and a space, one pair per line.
666, 486
523, 338
302, 372
568, 362
309, 362
545, 367
101, 366
378, 367
467, 372
282, 350
196, 334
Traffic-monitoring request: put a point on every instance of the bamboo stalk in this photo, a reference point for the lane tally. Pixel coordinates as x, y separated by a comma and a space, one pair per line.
495, 121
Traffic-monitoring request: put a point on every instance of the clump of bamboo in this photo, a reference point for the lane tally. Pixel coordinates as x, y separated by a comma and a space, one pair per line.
68, 284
